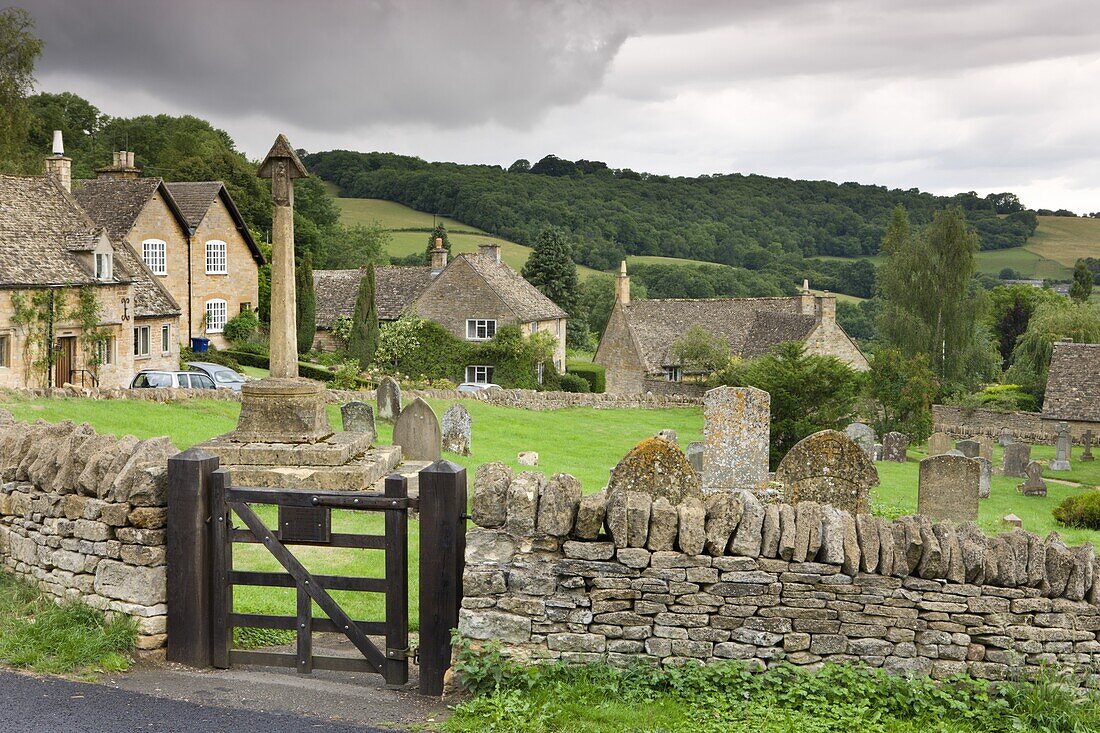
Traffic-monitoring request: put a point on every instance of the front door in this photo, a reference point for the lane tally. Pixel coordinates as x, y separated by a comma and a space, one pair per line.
66, 359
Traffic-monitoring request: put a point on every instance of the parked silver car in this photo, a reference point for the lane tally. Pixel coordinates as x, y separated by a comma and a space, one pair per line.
477, 387
223, 376
153, 379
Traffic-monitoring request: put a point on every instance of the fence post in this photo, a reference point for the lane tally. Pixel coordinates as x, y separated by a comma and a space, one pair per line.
442, 550
188, 557
397, 584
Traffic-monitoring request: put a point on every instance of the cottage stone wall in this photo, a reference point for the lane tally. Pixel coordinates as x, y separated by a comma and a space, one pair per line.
636, 579
83, 516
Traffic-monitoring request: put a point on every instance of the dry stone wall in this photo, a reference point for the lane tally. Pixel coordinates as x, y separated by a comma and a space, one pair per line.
82, 515
961, 422
627, 577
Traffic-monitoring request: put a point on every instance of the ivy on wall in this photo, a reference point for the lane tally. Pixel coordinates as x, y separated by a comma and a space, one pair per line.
36, 314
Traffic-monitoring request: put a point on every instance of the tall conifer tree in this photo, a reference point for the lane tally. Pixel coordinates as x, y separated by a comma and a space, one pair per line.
306, 302
551, 269
364, 323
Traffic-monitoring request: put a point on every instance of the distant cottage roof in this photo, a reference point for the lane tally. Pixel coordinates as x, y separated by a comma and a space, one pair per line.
194, 199
395, 288
116, 203
523, 298
751, 326
1073, 383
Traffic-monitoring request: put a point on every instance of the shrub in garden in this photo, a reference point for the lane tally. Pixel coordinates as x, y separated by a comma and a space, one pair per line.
242, 327
594, 374
572, 383
1081, 511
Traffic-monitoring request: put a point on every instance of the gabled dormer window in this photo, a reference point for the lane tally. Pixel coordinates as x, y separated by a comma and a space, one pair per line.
104, 267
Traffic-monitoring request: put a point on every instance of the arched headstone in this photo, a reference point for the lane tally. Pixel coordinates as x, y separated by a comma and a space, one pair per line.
947, 488
417, 432
828, 467
938, 444
388, 396
863, 436
656, 467
456, 430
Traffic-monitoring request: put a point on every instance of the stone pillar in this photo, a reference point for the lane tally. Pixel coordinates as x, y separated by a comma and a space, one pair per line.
736, 432
284, 328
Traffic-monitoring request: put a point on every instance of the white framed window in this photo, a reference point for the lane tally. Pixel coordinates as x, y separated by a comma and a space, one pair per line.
215, 315
165, 339
155, 254
5, 351
479, 374
105, 351
141, 341
215, 257
538, 371
534, 326
104, 267
480, 329
673, 374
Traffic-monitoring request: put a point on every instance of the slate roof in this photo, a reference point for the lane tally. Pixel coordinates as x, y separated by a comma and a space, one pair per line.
751, 326
395, 288
523, 298
194, 198
151, 298
116, 203
1073, 383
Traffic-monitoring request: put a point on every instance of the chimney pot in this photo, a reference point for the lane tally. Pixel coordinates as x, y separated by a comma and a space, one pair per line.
490, 248
57, 165
58, 144
622, 285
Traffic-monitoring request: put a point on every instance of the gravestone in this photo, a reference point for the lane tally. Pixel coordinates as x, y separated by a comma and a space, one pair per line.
863, 436
417, 432
1087, 438
938, 444
695, 455
955, 452
527, 458
895, 447
947, 488
1034, 486
1006, 438
1062, 447
985, 446
736, 425
828, 467
968, 448
985, 477
656, 467
1017, 456
669, 435
878, 451
1013, 521
357, 417
456, 430
388, 397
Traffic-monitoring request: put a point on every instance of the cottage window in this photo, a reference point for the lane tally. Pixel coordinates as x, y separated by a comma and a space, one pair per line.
165, 338
141, 341
215, 257
215, 315
5, 351
154, 252
103, 266
479, 374
538, 371
480, 329
534, 326
673, 374
105, 351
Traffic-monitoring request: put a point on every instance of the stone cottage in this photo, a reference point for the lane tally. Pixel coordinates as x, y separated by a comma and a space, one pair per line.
637, 343
1073, 388
75, 306
191, 237
471, 296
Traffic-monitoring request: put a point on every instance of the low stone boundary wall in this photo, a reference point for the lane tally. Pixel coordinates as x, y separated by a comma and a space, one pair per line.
83, 515
555, 576
963, 422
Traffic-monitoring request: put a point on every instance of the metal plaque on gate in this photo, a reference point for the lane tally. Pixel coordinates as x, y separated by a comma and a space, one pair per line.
305, 524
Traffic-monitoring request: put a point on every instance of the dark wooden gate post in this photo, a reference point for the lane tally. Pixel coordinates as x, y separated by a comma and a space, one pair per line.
442, 550
188, 557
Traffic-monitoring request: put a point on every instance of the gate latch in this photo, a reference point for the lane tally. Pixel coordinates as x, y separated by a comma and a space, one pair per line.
401, 653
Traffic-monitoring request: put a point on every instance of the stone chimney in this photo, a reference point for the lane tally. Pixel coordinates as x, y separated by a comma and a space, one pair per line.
806, 300
622, 285
439, 257
491, 249
122, 166
57, 165
825, 309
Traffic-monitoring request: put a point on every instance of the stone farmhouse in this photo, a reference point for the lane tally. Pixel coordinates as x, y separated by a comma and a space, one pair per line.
1073, 388
190, 235
471, 296
637, 343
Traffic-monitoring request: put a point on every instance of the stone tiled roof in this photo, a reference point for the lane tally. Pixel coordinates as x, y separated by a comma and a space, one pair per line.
194, 198
151, 298
395, 288
523, 298
1073, 383
751, 326
115, 203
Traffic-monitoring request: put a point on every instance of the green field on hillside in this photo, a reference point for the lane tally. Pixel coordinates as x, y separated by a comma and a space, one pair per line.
1064, 239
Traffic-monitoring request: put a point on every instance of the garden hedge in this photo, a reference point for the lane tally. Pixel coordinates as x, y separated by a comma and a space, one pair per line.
594, 374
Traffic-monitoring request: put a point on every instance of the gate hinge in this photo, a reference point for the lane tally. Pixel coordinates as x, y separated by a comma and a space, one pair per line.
407, 653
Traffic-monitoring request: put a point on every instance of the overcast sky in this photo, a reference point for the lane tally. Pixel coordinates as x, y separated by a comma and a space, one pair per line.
942, 95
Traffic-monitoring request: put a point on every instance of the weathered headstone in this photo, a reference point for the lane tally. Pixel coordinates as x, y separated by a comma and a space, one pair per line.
1013, 521
669, 435
656, 467
985, 446
1017, 456
417, 432
895, 447
985, 477
456, 430
955, 452
828, 467
1006, 438
736, 425
1034, 486
527, 458
1062, 447
1087, 438
878, 451
947, 488
969, 448
388, 396
695, 455
864, 436
357, 417
938, 444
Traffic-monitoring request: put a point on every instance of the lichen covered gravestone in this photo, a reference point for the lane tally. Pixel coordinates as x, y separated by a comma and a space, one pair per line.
357, 417
736, 431
985, 446
417, 432
695, 455
1034, 486
656, 467
969, 448
669, 435
863, 436
456, 430
1006, 438
1087, 438
895, 447
947, 488
985, 477
1017, 456
938, 444
1061, 449
828, 467
388, 396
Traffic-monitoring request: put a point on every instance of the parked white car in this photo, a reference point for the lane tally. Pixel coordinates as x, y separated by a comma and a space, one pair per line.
223, 376
477, 387
153, 379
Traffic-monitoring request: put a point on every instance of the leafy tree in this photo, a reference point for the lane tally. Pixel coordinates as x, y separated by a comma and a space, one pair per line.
700, 351
1007, 273
19, 48
1010, 310
596, 298
306, 302
358, 246
901, 390
440, 232
520, 166
1049, 323
551, 269
1081, 289
364, 339
398, 339
858, 319
809, 392
78, 119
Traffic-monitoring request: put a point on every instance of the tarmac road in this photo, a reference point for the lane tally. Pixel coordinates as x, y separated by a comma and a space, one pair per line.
48, 705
